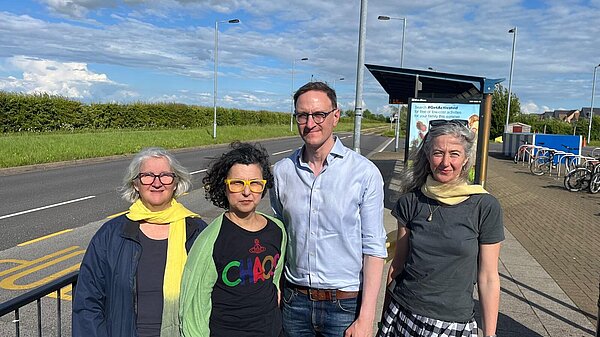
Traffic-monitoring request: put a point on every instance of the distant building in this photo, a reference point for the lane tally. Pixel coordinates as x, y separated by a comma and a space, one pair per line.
585, 112
520, 127
563, 115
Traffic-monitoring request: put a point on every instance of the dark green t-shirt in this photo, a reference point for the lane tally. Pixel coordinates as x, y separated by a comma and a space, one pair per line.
441, 266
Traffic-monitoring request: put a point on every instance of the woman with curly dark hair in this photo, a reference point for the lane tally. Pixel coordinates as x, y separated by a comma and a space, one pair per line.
231, 279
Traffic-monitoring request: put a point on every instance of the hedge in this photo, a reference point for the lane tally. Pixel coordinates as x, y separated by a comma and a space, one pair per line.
43, 112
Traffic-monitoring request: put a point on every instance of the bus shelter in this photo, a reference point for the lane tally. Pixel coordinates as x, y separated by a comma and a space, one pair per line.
436, 95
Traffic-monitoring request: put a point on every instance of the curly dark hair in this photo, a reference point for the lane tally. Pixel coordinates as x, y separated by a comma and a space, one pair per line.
240, 153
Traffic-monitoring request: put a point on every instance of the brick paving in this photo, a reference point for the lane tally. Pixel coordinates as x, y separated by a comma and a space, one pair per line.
560, 229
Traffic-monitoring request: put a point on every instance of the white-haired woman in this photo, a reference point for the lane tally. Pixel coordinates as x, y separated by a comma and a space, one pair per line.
129, 280
449, 235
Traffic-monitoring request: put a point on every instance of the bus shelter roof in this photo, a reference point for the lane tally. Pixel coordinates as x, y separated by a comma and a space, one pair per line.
400, 84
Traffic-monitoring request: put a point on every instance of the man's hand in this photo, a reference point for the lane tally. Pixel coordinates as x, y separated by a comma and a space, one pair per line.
360, 328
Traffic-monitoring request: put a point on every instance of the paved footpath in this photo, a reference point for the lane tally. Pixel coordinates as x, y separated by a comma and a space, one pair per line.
549, 265
561, 231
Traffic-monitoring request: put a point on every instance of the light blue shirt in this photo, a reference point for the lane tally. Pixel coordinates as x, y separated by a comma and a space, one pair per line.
332, 219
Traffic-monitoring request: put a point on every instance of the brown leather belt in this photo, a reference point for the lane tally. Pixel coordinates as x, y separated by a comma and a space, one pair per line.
324, 294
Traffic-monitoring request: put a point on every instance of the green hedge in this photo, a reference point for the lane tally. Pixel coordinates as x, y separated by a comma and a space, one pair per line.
43, 112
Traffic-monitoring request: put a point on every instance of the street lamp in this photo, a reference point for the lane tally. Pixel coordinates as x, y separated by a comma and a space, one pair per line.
292, 104
386, 18
339, 79
216, 58
512, 63
592, 105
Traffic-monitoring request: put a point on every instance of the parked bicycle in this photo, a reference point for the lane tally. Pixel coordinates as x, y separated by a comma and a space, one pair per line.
595, 183
547, 159
585, 177
543, 161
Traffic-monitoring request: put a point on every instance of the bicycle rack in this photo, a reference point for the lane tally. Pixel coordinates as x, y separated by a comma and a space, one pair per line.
528, 151
573, 158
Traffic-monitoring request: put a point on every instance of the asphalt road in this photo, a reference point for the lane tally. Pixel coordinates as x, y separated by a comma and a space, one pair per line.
24, 267
53, 199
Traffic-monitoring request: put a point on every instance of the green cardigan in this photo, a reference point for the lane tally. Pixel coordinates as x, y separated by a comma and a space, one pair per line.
200, 275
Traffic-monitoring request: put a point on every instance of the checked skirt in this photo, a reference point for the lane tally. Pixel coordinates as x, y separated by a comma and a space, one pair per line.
399, 322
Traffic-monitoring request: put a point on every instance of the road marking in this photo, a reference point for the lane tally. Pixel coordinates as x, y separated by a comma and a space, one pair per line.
43, 238
26, 263
386, 145
281, 152
116, 215
46, 207
199, 171
9, 282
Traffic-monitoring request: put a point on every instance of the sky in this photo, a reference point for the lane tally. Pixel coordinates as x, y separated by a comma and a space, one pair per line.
163, 50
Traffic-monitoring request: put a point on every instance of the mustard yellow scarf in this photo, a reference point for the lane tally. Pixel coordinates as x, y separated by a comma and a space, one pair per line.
450, 193
176, 257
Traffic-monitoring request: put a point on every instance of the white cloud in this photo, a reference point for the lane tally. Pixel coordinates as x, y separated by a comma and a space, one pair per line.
175, 37
69, 79
532, 108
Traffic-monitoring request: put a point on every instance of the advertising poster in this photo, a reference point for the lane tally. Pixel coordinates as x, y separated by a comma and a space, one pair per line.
421, 111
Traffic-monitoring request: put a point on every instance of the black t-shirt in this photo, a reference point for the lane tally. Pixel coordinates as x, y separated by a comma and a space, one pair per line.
149, 280
441, 266
244, 298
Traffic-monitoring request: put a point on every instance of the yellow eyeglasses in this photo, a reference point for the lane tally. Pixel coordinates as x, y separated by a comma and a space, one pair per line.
238, 185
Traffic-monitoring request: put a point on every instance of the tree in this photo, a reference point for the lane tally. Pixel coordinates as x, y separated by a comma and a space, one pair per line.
499, 105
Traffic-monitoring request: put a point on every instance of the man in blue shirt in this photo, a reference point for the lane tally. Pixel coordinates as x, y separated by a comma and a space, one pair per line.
331, 201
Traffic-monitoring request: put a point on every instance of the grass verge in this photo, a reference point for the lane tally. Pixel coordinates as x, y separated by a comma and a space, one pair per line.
18, 149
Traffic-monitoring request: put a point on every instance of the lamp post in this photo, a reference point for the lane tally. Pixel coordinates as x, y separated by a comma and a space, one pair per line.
386, 18
358, 103
292, 104
592, 105
216, 58
339, 79
512, 63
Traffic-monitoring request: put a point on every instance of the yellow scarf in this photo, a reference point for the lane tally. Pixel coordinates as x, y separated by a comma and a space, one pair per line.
449, 193
176, 257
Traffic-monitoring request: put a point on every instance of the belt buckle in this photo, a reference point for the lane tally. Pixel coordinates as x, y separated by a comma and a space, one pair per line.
319, 295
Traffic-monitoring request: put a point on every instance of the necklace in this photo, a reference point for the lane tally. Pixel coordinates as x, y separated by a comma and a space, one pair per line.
430, 217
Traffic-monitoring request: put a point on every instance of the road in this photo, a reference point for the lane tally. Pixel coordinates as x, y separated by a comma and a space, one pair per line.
46, 201
49, 215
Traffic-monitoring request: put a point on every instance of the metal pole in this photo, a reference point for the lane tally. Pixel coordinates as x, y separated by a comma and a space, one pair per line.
360, 74
402, 46
215, 75
397, 129
401, 66
512, 63
484, 131
589, 137
292, 104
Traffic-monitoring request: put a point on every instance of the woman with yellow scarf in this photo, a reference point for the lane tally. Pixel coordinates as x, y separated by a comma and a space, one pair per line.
130, 277
449, 235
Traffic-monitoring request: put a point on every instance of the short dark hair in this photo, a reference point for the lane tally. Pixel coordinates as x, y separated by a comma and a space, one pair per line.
240, 153
317, 86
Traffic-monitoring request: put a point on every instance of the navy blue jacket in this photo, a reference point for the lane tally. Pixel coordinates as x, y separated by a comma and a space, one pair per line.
104, 302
